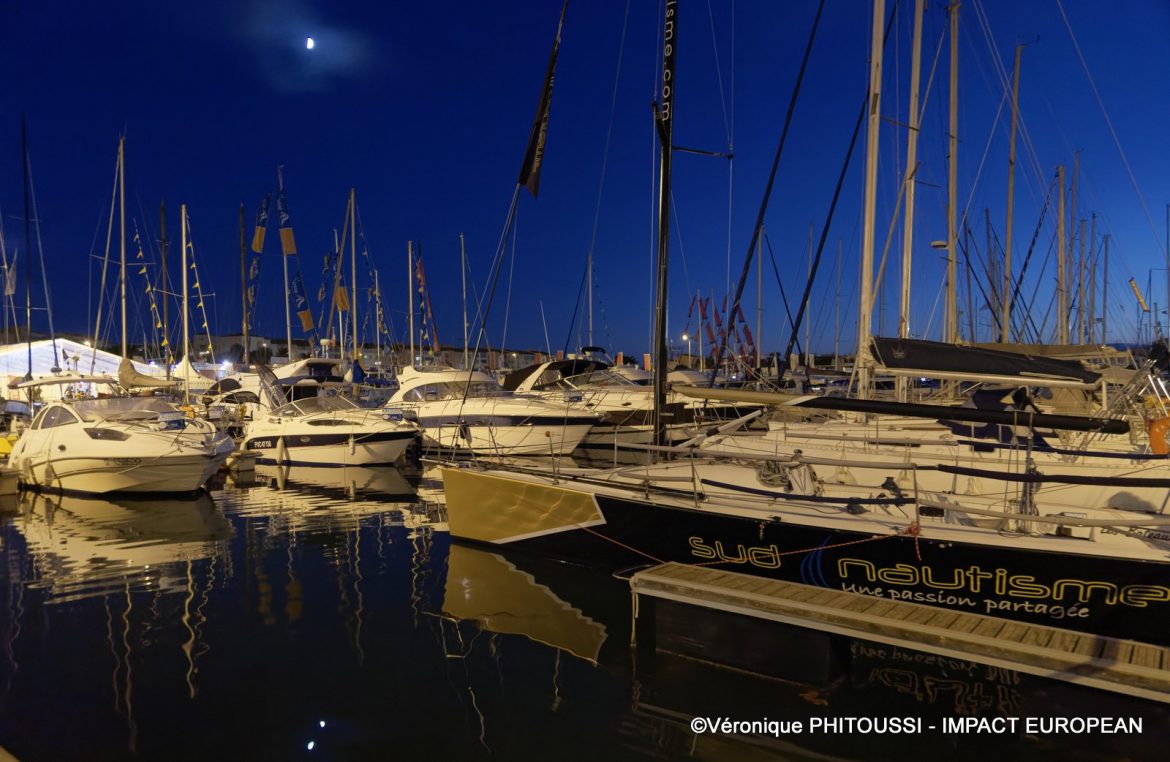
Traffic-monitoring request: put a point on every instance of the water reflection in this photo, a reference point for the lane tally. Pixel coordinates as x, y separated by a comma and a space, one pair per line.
89, 546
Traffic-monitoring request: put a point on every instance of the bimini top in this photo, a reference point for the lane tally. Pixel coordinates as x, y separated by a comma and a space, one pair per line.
551, 372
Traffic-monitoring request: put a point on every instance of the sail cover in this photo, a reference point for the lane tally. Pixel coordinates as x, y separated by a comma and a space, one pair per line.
933, 359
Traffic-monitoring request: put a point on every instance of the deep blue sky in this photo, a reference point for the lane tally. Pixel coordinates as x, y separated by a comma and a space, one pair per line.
425, 108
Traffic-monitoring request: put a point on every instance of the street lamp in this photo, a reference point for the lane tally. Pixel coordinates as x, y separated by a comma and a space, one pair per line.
687, 338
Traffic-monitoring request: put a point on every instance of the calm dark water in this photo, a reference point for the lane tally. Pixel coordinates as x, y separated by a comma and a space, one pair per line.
320, 614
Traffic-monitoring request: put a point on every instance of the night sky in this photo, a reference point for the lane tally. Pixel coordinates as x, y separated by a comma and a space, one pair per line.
425, 109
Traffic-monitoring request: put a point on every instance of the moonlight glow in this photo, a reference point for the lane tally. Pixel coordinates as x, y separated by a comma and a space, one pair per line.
309, 43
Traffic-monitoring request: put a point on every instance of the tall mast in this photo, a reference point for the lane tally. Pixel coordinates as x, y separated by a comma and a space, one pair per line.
951, 334
837, 322
589, 267
27, 249
910, 184
166, 289
808, 361
353, 269
1081, 289
1006, 327
1061, 264
378, 318
122, 229
186, 327
243, 285
1105, 297
463, 275
992, 277
1092, 265
865, 323
759, 299
410, 294
665, 136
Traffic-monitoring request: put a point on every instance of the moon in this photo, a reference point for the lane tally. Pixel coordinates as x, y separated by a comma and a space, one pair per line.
309, 44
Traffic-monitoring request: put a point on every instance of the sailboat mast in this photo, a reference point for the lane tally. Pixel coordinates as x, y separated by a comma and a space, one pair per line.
951, 334
1092, 265
1105, 296
911, 185
865, 323
166, 332
186, 327
287, 309
1061, 264
27, 248
1081, 289
665, 129
1006, 324
410, 294
759, 299
243, 285
353, 269
463, 275
122, 231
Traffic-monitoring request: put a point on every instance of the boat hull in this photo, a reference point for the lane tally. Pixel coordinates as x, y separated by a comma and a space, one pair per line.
503, 439
332, 449
103, 475
1039, 581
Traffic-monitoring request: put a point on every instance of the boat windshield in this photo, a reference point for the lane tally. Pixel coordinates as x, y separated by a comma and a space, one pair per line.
448, 390
595, 379
121, 408
314, 405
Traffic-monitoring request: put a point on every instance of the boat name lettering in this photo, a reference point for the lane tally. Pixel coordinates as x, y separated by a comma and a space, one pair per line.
1000, 582
123, 461
764, 557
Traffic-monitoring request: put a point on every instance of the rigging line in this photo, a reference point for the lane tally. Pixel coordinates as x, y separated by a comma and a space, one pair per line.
833, 207
608, 133
105, 266
1006, 83
1109, 122
719, 72
772, 179
508, 299
44, 274
1027, 257
576, 310
783, 295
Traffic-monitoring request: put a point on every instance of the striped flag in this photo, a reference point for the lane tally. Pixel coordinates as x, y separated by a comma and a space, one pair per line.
288, 244
261, 224
301, 302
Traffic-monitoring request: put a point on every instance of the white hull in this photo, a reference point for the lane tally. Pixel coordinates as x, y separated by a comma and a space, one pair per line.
506, 440
99, 476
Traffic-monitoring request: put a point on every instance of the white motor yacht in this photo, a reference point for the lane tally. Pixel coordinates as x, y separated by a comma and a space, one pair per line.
327, 431
467, 412
98, 445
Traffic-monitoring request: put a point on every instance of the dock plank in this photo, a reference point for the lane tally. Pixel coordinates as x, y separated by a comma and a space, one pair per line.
1140, 669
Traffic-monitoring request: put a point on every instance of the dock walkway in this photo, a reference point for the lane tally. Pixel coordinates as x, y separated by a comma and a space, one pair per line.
1114, 664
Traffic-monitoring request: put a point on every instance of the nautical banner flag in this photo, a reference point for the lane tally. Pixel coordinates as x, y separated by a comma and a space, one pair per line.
288, 244
301, 303
340, 295
534, 155
261, 224
430, 333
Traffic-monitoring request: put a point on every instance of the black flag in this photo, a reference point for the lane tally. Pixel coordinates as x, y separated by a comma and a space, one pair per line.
530, 169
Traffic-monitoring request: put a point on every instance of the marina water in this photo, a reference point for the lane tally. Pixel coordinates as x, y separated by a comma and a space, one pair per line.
324, 613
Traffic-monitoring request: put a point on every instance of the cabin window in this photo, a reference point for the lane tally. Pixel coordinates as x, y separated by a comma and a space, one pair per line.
56, 416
